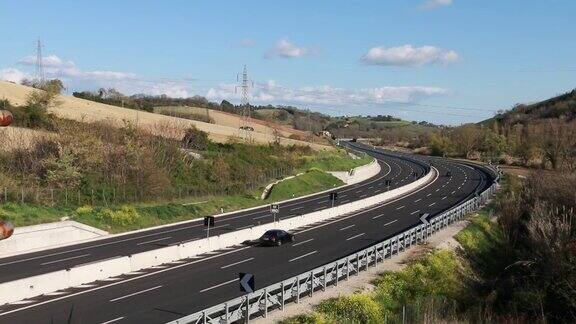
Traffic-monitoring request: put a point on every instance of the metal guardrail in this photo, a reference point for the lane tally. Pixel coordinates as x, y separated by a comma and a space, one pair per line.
275, 296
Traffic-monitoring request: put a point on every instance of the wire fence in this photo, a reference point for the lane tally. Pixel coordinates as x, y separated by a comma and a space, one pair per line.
114, 195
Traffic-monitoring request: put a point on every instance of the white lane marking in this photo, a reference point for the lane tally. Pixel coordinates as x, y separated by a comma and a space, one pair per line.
55, 293
114, 320
223, 225
417, 200
156, 240
459, 188
355, 236
376, 191
432, 204
444, 197
302, 256
295, 208
303, 242
315, 209
345, 201
136, 293
21, 302
414, 212
428, 195
394, 221
243, 227
65, 259
219, 285
375, 217
363, 196
370, 187
236, 263
99, 245
358, 191
438, 189
123, 282
261, 217
400, 207
347, 227
453, 191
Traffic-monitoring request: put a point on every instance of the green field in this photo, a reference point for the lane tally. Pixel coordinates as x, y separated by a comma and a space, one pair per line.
309, 182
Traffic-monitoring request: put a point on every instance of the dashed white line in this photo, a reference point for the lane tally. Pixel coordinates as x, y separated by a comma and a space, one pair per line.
156, 240
297, 208
428, 195
136, 293
394, 221
347, 227
375, 217
432, 204
236, 263
355, 236
303, 242
453, 192
400, 207
444, 197
417, 200
113, 320
302, 256
66, 259
414, 212
219, 285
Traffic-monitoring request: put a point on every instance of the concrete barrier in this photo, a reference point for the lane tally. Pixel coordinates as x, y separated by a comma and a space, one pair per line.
99, 270
37, 285
44, 236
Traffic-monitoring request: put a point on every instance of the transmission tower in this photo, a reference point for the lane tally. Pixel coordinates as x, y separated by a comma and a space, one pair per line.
245, 86
39, 76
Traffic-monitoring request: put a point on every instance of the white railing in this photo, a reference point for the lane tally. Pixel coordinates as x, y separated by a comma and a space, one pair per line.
275, 296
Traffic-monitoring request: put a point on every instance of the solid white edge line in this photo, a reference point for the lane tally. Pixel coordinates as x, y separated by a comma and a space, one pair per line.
300, 243
65, 259
113, 320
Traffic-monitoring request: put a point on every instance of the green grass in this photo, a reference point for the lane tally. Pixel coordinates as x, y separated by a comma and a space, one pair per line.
333, 161
313, 181
121, 218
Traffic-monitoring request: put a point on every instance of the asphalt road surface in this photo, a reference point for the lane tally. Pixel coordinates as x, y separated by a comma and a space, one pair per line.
174, 290
399, 171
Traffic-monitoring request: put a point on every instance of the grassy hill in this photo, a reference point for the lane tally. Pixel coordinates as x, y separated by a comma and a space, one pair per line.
560, 107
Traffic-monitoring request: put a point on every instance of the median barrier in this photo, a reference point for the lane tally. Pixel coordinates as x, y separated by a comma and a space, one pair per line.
99, 270
34, 286
147, 259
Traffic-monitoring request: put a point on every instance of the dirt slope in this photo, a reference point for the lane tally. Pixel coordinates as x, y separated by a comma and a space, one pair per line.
85, 110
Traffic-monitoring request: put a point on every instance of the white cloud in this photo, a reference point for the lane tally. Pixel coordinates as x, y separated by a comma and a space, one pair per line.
50, 61
408, 55
431, 4
12, 75
286, 49
327, 95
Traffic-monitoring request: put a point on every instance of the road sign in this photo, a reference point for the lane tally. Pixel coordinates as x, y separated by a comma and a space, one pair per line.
246, 282
424, 218
209, 221
275, 208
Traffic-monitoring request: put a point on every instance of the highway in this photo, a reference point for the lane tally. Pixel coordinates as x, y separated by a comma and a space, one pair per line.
399, 171
171, 291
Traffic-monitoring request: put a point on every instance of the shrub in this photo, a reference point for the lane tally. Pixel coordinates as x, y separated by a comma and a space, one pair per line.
84, 210
125, 216
195, 139
356, 308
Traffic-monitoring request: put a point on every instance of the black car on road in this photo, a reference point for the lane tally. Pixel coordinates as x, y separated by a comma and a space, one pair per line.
275, 237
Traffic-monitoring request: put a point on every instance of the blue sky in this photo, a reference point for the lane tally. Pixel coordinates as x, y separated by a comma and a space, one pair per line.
445, 61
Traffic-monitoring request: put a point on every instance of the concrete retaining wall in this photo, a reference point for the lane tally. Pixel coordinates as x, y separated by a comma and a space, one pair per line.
83, 274
30, 238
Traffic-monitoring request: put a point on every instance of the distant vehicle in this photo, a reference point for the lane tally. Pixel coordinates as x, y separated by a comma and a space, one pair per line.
275, 238
248, 128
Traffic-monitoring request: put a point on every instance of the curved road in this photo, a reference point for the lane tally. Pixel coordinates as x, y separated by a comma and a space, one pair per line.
171, 291
25, 265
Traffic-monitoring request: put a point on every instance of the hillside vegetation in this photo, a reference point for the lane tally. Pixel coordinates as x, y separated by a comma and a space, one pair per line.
518, 269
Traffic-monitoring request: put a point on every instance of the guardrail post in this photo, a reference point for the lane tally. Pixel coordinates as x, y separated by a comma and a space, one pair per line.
298, 290
357, 264
375, 255
311, 283
226, 313
265, 302
347, 267
282, 296
325, 280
